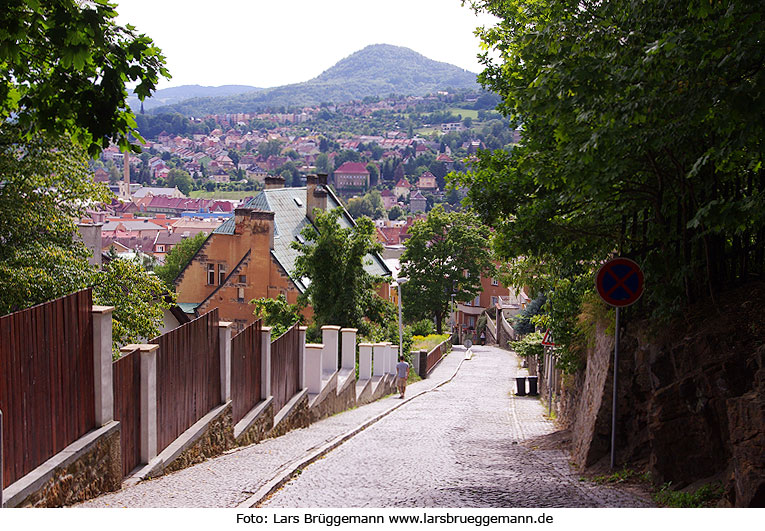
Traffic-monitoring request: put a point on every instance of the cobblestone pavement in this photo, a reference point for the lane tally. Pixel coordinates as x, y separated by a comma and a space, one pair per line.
230, 479
456, 446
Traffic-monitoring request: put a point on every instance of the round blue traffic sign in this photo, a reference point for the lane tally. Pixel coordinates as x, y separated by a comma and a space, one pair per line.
620, 282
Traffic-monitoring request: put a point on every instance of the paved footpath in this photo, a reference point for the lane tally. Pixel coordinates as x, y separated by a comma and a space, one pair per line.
453, 442
456, 446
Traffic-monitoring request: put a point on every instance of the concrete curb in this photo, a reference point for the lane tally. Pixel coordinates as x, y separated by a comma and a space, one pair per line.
289, 470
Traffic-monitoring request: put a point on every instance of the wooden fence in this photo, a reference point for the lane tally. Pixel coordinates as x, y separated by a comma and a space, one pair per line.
127, 407
188, 376
47, 391
285, 367
246, 363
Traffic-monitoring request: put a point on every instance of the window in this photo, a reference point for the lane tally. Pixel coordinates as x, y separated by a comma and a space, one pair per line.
493, 301
221, 273
243, 279
240, 294
494, 282
477, 301
160, 248
211, 273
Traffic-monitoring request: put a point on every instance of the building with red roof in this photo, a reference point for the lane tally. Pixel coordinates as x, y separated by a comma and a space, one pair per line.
351, 177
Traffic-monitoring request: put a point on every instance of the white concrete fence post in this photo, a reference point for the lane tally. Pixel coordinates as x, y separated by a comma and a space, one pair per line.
102, 364
389, 356
313, 352
224, 334
393, 358
265, 368
378, 359
301, 362
365, 361
329, 337
348, 355
148, 422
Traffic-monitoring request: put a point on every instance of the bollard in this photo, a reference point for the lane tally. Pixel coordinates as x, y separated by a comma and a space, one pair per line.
520, 382
533, 385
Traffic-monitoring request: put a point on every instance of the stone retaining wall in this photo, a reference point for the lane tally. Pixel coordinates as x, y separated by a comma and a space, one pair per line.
95, 470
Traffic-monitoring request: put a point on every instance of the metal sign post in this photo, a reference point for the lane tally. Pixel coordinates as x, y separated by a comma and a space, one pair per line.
619, 283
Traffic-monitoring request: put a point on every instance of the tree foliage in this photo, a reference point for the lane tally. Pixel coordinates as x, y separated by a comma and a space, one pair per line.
277, 313
332, 258
63, 69
45, 185
178, 257
641, 135
138, 297
445, 254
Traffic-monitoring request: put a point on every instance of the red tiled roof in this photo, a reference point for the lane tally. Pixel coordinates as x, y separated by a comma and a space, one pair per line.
352, 167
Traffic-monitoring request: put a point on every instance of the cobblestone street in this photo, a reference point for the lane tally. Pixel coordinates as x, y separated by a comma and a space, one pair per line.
456, 446
450, 445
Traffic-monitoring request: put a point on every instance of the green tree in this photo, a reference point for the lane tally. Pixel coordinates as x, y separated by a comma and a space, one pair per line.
278, 314
395, 213
180, 179
63, 69
642, 135
272, 147
341, 291
45, 185
180, 255
138, 297
322, 163
445, 254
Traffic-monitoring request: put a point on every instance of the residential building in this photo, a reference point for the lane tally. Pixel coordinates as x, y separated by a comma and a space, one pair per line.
250, 256
351, 177
427, 182
417, 202
402, 188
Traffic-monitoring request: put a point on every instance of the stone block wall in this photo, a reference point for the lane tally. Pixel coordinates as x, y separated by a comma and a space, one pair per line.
298, 417
96, 470
259, 429
691, 401
216, 439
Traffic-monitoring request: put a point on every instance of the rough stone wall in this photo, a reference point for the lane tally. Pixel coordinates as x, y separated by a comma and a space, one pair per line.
746, 419
260, 429
96, 472
691, 402
218, 437
591, 429
334, 402
299, 417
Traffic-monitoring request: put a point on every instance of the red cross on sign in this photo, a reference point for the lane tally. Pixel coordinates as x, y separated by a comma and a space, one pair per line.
620, 282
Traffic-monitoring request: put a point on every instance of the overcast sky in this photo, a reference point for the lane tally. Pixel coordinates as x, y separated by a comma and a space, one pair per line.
266, 43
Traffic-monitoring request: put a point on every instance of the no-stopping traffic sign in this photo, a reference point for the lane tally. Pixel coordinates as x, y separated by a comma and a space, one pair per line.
620, 282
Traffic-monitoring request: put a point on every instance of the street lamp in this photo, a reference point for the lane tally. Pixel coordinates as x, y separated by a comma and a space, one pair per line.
399, 281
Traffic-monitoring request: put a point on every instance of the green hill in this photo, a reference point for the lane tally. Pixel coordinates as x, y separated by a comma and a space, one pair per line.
377, 70
173, 95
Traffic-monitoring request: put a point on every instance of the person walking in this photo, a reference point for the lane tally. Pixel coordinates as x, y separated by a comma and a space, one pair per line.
402, 373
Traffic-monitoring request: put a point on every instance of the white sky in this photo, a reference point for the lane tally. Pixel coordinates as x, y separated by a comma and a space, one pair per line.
266, 43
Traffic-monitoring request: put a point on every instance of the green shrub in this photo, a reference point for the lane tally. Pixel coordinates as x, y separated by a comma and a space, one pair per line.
529, 346
705, 496
422, 328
